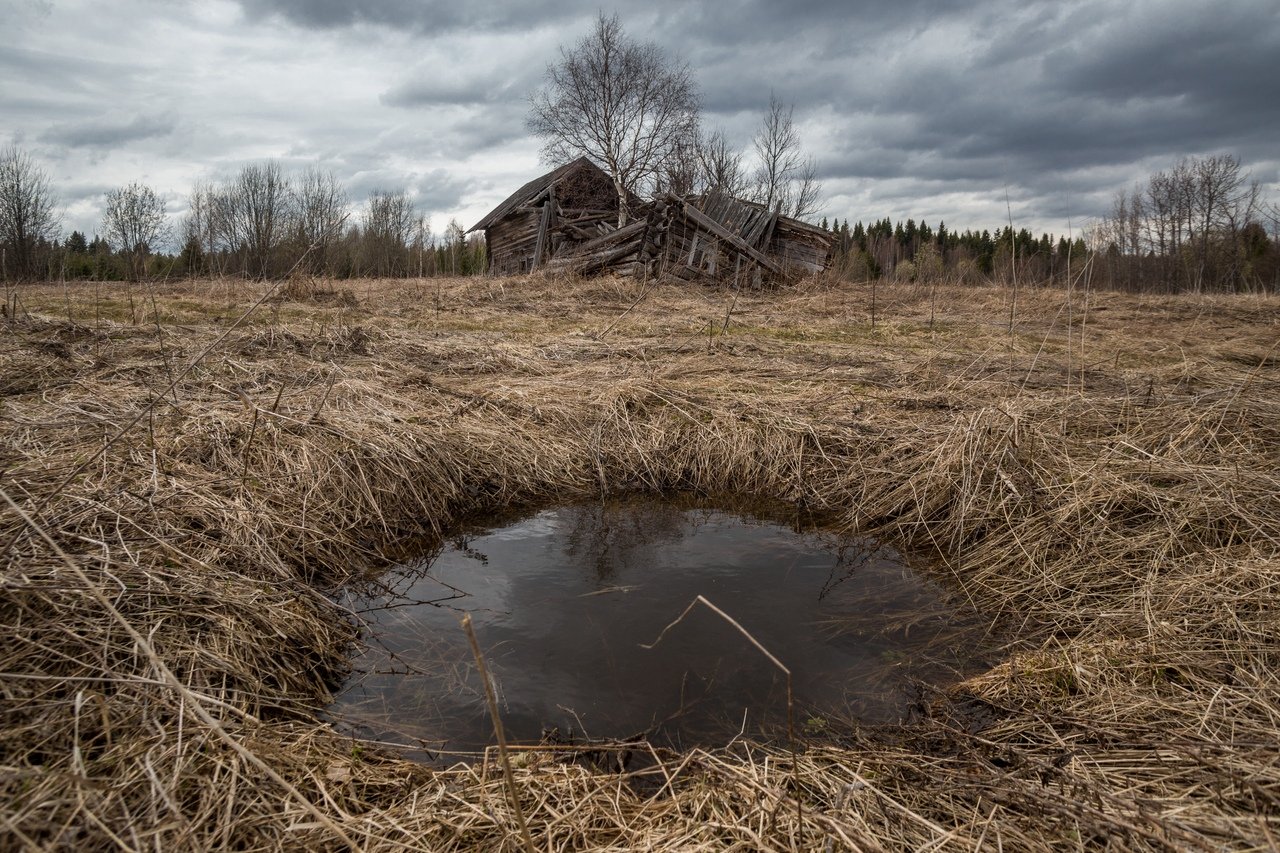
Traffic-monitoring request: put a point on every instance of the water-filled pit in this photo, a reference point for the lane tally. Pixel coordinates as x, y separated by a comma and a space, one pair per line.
565, 600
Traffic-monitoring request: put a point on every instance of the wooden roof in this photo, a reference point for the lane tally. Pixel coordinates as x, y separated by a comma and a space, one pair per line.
738, 214
532, 190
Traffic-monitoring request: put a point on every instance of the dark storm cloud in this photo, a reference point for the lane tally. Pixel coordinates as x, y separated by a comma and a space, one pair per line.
107, 133
1054, 100
935, 106
92, 191
434, 193
481, 130
1218, 53
432, 16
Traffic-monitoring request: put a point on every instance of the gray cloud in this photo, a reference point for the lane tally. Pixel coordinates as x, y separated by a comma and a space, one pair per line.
106, 133
461, 87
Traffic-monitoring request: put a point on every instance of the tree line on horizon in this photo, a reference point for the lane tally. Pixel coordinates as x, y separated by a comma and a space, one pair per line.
260, 223
1200, 226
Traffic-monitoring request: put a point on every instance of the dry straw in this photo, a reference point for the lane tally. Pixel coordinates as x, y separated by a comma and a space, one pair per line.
1110, 503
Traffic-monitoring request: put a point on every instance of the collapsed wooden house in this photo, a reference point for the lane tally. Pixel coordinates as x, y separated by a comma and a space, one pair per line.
568, 218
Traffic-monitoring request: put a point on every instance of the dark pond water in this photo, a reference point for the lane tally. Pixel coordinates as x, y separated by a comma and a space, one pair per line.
563, 600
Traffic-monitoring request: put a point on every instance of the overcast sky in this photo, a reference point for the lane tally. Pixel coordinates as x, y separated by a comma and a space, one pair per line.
922, 108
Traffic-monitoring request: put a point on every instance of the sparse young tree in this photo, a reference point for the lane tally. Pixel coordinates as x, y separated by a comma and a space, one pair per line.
682, 173
805, 190
454, 248
422, 256
28, 216
135, 222
320, 210
777, 145
623, 104
720, 165
389, 224
1187, 228
785, 179
200, 230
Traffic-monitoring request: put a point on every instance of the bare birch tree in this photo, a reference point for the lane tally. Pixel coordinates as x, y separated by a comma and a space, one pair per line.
623, 104
28, 213
200, 230
1186, 227
255, 214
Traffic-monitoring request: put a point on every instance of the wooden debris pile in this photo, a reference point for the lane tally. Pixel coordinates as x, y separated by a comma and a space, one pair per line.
568, 219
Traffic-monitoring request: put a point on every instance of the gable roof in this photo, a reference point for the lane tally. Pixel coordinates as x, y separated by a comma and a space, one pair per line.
532, 190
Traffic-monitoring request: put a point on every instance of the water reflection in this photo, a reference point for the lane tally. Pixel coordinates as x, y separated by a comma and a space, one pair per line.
563, 599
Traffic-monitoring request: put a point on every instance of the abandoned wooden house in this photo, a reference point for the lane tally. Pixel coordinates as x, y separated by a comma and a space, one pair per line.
565, 207
568, 219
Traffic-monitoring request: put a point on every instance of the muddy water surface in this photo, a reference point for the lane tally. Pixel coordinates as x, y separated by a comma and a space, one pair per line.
564, 600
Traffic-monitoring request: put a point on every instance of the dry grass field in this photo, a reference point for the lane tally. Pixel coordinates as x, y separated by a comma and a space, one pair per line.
186, 481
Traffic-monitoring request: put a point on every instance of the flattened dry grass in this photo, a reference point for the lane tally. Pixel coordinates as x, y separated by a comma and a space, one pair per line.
1103, 481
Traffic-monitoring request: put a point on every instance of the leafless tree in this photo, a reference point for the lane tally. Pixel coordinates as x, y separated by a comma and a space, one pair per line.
785, 179
805, 190
455, 245
423, 246
1186, 227
389, 225
28, 213
682, 173
135, 223
200, 230
777, 145
1225, 200
720, 165
253, 213
320, 208
623, 104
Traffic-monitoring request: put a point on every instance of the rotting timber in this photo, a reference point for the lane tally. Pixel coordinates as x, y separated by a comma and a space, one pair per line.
568, 221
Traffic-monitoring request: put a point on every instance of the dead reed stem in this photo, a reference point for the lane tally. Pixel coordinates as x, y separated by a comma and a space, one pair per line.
498, 733
737, 626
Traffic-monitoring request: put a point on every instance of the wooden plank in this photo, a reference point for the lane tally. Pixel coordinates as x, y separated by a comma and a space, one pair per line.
610, 238
582, 217
542, 234
708, 224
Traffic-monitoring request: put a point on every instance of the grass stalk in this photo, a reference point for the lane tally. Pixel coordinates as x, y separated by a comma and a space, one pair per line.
512, 792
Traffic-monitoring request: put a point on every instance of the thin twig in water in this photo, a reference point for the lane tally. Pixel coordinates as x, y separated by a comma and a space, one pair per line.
791, 732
